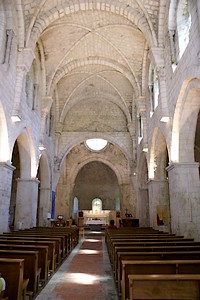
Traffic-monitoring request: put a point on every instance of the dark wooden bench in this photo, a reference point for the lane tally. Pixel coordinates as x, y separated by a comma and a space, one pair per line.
50, 244
146, 243
13, 272
153, 248
164, 286
179, 255
39, 234
155, 267
43, 262
31, 270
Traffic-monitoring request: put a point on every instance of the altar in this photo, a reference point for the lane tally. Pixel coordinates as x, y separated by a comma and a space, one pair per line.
92, 217
95, 222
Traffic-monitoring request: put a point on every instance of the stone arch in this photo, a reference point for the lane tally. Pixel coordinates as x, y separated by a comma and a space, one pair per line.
185, 120
142, 193
24, 154
116, 173
139, 17
44, 190
121, 177
69, 171
158, 186
24, 160
79, 139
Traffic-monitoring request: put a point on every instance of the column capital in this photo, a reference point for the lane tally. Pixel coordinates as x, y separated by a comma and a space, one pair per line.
25, 58
157, 56
46, 104
183, 165
26, 180
7, 165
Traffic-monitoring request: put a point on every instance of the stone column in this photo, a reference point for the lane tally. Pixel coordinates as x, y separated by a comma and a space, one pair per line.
127, 202
143, 206
26, 203
24, 61
184, 189
159, 204
45, 206
6, 173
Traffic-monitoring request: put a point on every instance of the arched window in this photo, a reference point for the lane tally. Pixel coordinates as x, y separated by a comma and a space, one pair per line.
183, 25
75, 208
96, 205
96, 144
179, 23
140, 128
153, 89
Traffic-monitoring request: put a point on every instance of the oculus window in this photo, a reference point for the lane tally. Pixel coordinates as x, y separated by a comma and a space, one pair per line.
96, 144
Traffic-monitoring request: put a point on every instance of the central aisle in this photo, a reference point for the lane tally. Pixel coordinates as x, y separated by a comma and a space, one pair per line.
86, 274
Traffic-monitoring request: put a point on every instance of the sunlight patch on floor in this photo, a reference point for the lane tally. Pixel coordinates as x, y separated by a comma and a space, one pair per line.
84, 278
88, 251
93, 240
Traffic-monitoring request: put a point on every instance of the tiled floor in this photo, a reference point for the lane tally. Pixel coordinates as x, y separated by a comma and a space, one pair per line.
85, 275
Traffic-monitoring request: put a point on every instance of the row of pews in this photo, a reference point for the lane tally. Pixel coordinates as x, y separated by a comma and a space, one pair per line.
151, 264
28, 258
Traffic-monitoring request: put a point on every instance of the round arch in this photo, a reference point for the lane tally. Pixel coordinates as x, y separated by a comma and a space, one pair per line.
27, 151
184, 122
79, 139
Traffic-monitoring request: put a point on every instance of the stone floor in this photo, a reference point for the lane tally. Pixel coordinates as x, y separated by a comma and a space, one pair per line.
85, 275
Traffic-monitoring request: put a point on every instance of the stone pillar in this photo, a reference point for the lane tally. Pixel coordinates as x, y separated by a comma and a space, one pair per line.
143, 207
127, 202
24, 61
159, 204
184, 189
45, 206
6, 173
26, 203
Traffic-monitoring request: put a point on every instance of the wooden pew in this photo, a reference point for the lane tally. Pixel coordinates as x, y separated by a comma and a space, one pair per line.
13, 272
164, 286
42, 256
152, 248
32, 235
146, 243
50, 244
31, 269
155, 267
179, 255
64, 239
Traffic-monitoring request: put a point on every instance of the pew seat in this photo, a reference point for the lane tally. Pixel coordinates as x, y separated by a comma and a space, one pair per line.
164, 286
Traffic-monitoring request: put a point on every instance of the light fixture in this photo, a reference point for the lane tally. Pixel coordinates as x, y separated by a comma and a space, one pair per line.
164, 119
16, 118
145, 149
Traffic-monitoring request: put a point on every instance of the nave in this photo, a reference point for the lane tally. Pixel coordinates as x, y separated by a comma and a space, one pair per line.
85, 274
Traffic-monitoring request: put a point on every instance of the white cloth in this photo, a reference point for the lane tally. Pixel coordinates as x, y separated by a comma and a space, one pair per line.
95, 222
3, 284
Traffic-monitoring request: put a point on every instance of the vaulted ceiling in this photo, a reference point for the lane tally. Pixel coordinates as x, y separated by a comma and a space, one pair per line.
95, 57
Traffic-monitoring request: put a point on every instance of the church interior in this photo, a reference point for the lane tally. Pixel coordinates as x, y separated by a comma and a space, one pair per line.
100, 121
